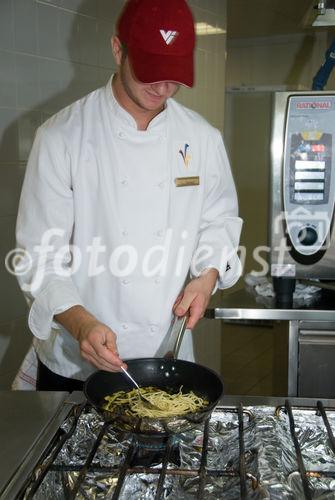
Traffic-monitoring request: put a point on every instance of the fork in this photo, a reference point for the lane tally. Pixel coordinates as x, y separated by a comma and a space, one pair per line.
144, 400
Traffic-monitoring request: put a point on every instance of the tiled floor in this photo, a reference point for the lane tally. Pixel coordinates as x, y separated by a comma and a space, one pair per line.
254, 358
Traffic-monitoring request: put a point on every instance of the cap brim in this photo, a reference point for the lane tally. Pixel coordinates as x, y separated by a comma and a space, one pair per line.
152, 68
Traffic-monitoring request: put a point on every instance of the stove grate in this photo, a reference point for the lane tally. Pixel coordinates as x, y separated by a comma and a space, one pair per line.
323, 414
201, 473
301, 465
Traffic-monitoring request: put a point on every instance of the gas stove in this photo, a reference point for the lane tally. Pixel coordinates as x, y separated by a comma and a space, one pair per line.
249, 448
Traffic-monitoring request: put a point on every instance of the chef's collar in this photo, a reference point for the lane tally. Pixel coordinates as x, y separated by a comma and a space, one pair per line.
126, 117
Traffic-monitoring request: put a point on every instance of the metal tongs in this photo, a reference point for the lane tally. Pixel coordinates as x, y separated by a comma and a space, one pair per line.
169, 349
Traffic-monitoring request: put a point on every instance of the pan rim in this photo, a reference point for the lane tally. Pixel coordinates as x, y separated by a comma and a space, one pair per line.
206, 409
166, 360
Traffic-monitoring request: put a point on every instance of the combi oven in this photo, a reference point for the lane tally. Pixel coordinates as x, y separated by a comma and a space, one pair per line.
302, 237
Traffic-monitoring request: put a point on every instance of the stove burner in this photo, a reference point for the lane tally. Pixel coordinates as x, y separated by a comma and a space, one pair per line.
151, 449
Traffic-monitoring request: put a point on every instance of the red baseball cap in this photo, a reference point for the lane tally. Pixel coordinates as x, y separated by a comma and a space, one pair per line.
160, 38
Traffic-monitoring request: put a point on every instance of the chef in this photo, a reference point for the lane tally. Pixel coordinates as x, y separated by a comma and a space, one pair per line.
128, 211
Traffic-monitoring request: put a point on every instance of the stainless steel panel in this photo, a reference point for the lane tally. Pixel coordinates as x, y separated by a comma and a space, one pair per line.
242, 305
273, 314
321, 326
292, 389
23, 418
317, 368
316, 375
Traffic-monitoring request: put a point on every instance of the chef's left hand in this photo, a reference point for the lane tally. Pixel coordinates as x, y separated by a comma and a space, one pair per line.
195, 297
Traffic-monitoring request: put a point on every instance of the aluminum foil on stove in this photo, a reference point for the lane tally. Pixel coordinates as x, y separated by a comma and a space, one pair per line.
270, 460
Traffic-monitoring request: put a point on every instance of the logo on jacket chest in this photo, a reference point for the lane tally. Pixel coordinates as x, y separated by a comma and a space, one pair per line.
185, 154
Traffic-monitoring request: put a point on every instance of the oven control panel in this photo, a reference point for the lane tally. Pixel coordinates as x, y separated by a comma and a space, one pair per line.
309, 171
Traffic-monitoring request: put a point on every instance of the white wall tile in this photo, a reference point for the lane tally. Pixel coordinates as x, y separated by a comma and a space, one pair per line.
7, 240
51, 97
8, 135
88, 40
105, 31
108, 10
78, 38
104, 74
11, 178
282, 60
210, 64
12, 303
87, 7
51, 2
27, 81
86, 80
66, 73
25, 31
28, 123
67, 29
7, 79
201, 68
6, 25
47, 30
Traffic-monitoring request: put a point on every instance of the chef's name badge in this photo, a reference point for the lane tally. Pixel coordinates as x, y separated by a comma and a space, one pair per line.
187, 181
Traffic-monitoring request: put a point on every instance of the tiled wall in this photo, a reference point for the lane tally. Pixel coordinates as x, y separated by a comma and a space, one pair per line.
208, 95
290, 60
51, 53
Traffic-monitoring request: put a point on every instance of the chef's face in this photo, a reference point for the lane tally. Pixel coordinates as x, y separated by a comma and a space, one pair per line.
147, 96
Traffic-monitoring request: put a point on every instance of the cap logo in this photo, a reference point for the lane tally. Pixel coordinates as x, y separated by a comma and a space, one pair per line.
169, 36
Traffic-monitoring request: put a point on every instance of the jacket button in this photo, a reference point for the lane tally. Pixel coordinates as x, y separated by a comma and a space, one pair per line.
121, 135
125, 326
125, 282
124, 233
159, 233
124, 182
157, 281
153, 328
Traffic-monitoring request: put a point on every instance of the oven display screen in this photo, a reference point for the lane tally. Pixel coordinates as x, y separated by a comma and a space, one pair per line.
310, 168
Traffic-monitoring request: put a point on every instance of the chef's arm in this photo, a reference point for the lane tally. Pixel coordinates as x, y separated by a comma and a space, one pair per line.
195, 297
215, 262
43, 232
220, 226
97, 341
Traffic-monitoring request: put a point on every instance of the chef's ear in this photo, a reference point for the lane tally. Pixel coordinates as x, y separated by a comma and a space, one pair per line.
117, 49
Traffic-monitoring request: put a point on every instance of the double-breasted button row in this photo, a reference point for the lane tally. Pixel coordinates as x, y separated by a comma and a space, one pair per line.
152, 328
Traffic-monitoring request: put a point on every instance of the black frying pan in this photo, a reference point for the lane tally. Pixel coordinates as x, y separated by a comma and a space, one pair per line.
167, 374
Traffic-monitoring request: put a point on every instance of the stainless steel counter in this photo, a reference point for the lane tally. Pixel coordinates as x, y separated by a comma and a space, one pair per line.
24, 417
242, 305
246, 307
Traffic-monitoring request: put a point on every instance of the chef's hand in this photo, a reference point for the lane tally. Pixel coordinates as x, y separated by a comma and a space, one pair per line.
98, 346
97, 341
195, 297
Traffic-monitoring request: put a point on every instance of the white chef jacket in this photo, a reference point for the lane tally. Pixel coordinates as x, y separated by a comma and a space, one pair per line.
95, 179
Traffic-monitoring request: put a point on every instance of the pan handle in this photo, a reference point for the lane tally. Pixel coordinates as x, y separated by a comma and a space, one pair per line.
170, 348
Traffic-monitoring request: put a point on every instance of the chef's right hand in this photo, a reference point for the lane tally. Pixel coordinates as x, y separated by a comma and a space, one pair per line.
97, 341
98, 346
